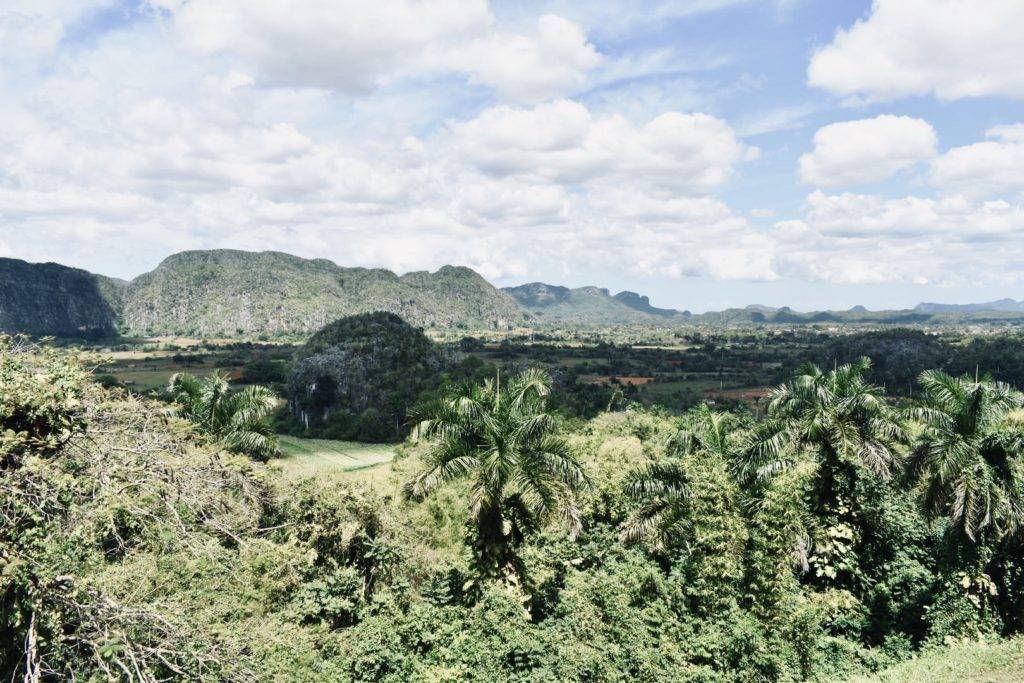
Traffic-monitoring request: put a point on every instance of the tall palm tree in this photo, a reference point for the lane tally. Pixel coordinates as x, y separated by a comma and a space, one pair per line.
838, 416
846, 426
522, 474
663, 488
235, 419
969, 464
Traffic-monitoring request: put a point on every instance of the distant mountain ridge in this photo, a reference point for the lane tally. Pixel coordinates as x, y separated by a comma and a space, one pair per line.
589, 306
238, 293
1002, 306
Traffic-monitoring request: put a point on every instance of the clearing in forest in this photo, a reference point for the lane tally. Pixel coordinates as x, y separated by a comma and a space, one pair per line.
316, 457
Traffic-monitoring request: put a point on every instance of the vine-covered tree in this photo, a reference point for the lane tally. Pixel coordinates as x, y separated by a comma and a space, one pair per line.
847, 429
663, 488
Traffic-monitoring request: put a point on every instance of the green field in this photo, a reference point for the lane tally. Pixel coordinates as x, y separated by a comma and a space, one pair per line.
319, 457
974, 663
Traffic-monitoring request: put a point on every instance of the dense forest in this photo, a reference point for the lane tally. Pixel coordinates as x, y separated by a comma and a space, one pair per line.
838, 532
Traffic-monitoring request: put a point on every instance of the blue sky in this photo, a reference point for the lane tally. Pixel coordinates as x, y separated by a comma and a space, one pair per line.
709, 153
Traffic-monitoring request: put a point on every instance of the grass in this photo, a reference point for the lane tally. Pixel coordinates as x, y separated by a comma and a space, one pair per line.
1001, 662
367, 462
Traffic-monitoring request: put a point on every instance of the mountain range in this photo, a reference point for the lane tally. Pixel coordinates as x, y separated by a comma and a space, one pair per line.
590, 306
239, 293
1002, 305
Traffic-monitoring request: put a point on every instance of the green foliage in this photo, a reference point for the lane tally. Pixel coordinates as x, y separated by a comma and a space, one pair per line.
129, 550
237, 420
265, 371
967, 460
523, 474
40, 399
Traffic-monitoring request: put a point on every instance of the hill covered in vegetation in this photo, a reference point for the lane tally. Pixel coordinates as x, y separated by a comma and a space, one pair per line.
590, 306
229, 293
357, 378
235, 292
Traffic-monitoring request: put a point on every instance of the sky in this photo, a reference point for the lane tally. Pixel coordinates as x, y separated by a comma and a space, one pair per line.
709, 153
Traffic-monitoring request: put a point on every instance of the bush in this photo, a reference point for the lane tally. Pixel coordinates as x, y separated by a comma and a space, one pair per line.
40, 399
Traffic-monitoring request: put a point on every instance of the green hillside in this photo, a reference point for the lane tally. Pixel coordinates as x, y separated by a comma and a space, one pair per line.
227, 292
230, 293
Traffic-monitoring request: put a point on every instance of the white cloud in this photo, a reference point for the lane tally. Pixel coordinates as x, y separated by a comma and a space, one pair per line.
354, 47
344, 44
985, 168
110, 168
510, 203
789, 117
867, 239
562, 142
34, 28
952, 48
751, 258
526, 68
867, 150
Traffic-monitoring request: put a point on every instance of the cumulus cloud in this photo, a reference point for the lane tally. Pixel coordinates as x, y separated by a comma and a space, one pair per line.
867, 150
562, 142
202, 159
985, 168
525, 68
353, 46
487, 201
950, 48
868, 239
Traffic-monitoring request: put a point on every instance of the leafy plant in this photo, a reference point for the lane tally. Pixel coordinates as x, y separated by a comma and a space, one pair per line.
235, 419
521, 473
967, 461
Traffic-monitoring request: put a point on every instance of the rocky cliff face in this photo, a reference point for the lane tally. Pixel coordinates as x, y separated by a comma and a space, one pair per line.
50, 299
642, 303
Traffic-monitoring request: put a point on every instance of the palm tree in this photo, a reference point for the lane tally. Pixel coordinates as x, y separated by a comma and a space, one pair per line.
663, 488
235, 419
708, 432
846, 427
969, 465
521, 473
838, 416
